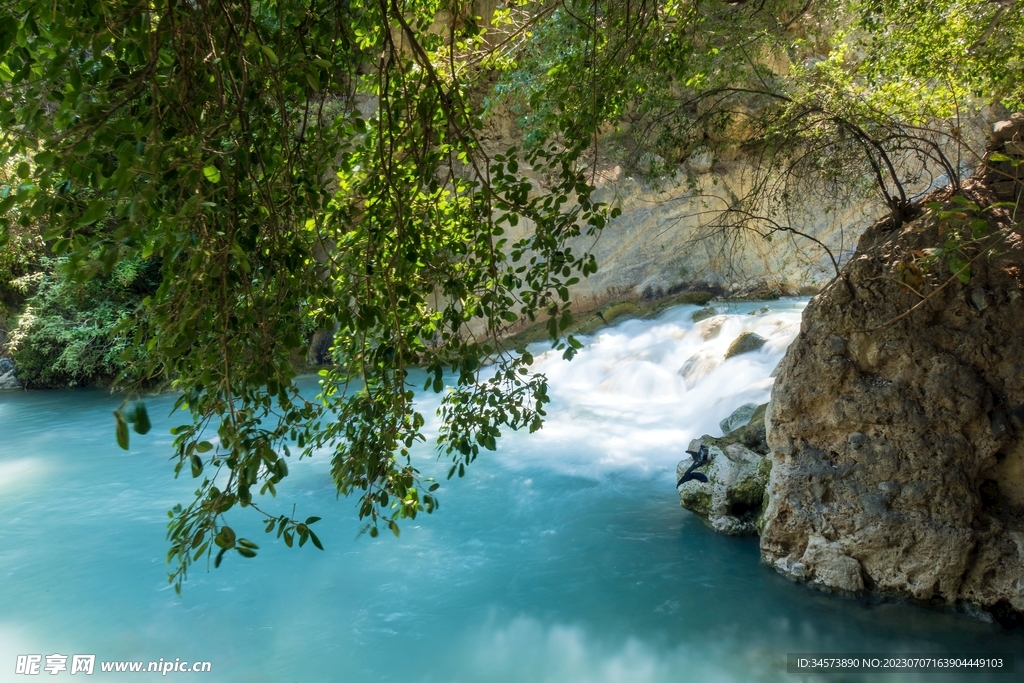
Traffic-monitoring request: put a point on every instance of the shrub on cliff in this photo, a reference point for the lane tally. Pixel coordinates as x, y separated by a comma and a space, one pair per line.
71, 332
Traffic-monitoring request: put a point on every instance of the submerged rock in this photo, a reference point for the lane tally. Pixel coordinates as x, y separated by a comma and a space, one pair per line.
711, 328
897, 451
698, 366
745, 343
622, 309
703, 313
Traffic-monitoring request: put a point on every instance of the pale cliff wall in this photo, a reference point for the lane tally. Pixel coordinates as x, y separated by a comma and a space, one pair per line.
661, 242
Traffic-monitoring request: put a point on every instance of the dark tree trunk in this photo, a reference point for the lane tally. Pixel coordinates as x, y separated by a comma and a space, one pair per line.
319, 352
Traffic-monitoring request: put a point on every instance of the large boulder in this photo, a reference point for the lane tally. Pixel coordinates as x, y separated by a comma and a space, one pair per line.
896, 422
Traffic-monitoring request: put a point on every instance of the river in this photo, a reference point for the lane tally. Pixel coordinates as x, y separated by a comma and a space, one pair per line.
562, 557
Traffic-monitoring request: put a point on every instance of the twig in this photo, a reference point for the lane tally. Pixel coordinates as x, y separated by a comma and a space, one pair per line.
929, 296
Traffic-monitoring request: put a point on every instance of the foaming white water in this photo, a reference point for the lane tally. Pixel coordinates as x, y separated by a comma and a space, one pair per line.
639, 391
527, 649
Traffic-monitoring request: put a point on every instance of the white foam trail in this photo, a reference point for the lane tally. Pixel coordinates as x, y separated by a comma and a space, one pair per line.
526, 649
623, 402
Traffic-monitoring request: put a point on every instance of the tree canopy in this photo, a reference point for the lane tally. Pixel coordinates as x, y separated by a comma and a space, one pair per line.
284, 166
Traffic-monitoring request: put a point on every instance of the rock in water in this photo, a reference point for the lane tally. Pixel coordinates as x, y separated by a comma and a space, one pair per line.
740, 417
896, 461
711, 328
703, 313
732, 500
746, 342
697, 367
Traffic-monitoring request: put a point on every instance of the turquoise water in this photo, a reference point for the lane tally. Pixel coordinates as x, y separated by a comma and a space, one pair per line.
563, 557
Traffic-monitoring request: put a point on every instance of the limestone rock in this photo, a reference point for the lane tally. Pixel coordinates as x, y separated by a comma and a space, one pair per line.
825, 564
745, 343
739, 417
732, 500
1011, 129
8, 375
711, 327
651, 164
615, 311
897, 455
751, 435
703, 313
701, 160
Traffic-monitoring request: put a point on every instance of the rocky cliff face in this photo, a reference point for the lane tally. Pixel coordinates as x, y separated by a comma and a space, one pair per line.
662, 243
896, 423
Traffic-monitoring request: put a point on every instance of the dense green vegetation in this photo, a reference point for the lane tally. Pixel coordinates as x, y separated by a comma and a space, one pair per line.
214, 180
69, 332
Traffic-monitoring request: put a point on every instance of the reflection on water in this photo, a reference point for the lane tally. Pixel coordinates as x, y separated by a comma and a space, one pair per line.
562, 557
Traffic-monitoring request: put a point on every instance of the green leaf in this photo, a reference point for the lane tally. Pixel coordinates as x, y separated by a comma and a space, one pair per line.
225, 538
269, 53
122, 431
315, 540
961, 268
45, 158
8, 30
61, 246
97, 208
142, 424
979, 226
212, 173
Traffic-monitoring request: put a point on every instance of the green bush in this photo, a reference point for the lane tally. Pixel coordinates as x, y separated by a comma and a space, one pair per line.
68, 333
